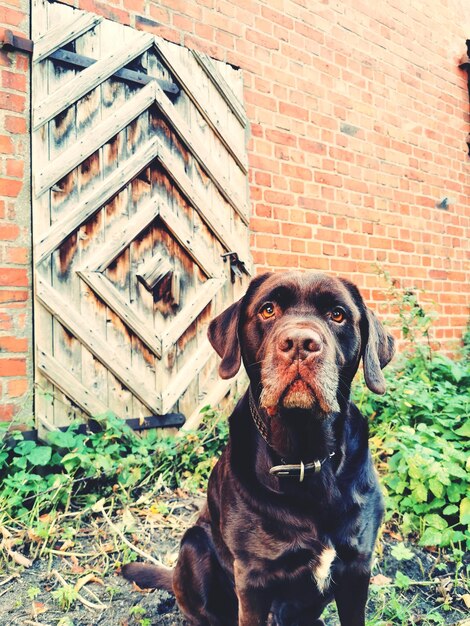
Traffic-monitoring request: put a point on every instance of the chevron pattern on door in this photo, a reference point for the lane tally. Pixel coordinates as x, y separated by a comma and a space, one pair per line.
139, 189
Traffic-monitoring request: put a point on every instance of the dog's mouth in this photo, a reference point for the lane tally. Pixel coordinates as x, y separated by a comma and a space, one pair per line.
298, 395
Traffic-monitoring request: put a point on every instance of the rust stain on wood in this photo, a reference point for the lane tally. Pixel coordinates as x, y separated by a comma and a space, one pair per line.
147, 355
89, 170
118, 270
67, 251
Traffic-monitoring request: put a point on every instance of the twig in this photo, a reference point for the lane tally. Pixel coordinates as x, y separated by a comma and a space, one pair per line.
5, 591
98, 508
29, 622
7, 580
87, 603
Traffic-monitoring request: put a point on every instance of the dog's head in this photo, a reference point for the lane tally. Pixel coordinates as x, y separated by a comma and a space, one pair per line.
301, 337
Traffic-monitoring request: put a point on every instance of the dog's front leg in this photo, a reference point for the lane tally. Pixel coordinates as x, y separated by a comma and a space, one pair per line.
351, 591
253, 603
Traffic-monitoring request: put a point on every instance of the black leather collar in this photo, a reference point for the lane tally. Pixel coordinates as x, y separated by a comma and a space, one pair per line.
286, 470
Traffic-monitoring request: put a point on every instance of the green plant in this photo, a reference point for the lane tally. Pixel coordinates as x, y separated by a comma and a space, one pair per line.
65, 597
420, 429
42, 478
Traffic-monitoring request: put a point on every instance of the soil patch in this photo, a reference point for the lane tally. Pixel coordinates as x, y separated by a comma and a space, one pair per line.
427, 589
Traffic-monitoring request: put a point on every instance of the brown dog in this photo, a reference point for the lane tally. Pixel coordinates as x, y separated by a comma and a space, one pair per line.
293, 504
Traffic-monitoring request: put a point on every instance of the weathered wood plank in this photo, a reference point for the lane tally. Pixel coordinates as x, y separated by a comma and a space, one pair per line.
131, 76
69, 384
190, 311
222, 86
72, 320
182, 379
218, 391
182, 180
88, 79
123, 238
202, 154
92, 141
112, 298
154, 271
183, 76
62, 34
191, 242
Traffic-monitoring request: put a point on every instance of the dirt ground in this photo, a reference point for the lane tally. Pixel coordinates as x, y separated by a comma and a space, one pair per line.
87, 561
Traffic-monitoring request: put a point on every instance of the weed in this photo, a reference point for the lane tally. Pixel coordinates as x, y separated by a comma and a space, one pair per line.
420, 431
65, 597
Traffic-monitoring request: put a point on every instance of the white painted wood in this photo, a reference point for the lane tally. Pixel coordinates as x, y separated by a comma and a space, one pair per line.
190, 312
62, 34
202, 154
94, 201
182, 379
222, 86
70, 385
91, 142
124, 177
218, 391
190, 243
105, 290
154, 271
183, 76
177, 173
71, 320
88, 78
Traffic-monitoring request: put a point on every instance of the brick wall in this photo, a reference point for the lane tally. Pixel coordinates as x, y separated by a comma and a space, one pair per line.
359, 116
15, 220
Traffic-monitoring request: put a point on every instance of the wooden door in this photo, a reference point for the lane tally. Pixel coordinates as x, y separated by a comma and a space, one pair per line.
139, 189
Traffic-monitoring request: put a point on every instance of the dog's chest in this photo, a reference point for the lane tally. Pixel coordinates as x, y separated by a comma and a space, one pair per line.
286, 553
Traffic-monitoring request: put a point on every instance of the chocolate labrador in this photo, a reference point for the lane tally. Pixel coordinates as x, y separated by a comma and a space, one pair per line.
293, 504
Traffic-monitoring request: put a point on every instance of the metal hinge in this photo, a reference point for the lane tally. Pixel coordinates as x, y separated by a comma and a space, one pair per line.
9, 41
237, 267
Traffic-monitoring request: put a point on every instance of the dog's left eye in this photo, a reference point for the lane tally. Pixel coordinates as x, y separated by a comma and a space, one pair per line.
338, 314
267, 310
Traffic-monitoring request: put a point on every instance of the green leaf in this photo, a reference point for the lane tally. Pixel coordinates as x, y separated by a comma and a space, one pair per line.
420, 492
40, 455
401, 553
464, 431
465, 511
436, 487
436, 521
450, 509
431, 537
66, 439
402, 581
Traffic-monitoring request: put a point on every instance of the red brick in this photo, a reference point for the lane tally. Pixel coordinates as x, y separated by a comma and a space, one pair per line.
12, 80
6, 145
15, 168
7, 412
13, 277
17, 387
11, 17
10, 188
13, 344
7, 296
9, 231
12, 102
17, 255
16, 125
12, 367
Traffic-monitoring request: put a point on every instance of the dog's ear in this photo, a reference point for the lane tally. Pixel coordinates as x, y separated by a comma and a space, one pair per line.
378, 351
223, 335
223, 331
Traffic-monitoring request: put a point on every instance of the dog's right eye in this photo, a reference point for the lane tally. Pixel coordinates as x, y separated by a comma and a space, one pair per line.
267, 310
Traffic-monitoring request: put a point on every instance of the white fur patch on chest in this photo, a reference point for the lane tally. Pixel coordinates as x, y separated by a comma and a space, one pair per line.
322, 570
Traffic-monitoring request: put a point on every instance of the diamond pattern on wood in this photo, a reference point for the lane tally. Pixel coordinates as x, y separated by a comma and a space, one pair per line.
137, 195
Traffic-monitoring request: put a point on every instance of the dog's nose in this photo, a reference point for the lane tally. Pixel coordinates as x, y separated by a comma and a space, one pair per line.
300, 343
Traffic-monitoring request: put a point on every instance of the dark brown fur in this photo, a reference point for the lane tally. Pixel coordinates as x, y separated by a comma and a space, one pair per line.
265, 545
